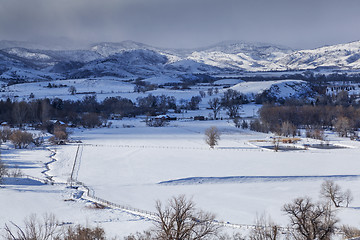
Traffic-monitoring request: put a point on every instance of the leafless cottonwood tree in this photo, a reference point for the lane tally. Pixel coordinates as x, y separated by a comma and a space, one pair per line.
288, 129
310, 220
179, 220
343, 126
212, 136
215, 106
332, 192
265, 229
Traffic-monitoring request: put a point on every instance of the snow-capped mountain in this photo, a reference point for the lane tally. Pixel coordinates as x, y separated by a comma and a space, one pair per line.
133, 59
341, 56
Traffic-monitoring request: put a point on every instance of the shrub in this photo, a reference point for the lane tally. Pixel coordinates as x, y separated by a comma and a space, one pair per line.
5, 134
21, 139
60, 135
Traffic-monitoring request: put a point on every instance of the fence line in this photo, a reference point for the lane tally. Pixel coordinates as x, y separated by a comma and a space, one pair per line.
173, 147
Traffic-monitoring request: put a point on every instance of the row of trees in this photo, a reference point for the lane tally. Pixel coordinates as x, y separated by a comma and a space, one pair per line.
89, 112
284, 120
84, 111
231, 101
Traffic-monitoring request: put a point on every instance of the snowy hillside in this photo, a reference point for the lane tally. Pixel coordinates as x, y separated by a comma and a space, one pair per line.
132, 59
341, 56
277, 89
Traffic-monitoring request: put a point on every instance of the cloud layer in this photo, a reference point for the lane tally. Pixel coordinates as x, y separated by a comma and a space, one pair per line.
183, 23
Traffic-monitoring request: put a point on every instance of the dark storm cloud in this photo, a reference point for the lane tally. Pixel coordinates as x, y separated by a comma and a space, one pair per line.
183, 23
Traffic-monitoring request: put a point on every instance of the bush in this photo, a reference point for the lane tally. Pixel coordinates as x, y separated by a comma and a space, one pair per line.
5, 134
21, 139
84, 233
60, 135
157, 122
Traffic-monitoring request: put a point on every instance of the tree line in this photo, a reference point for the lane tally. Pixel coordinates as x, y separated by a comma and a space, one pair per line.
88, 111
275, 118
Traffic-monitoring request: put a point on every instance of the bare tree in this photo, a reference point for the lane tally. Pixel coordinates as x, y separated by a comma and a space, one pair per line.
310, 220
180, 220
343, 126
3, 170
215, 106
48, 228
5, 134
35, 229
276, 143
212, 136
264, 229
232, 101
350, 232
348, 197
72, 90
288, 129
332, 191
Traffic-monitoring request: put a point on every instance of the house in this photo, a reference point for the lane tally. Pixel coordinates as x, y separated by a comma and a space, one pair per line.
58, 123
4, 124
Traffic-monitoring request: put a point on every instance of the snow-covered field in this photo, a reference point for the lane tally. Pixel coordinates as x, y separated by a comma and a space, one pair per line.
110, 87
137, 166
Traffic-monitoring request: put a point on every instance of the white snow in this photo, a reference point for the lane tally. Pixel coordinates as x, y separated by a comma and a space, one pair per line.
280, 88
137, 166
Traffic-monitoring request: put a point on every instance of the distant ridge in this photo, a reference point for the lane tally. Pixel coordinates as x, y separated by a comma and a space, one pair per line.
27, 61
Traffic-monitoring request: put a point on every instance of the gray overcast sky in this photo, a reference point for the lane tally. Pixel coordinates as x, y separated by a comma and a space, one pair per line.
184, 23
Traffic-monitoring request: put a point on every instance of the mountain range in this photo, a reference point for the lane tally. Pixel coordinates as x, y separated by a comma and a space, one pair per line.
129, 59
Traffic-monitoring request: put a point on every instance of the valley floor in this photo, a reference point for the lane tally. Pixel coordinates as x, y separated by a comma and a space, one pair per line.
136, 166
